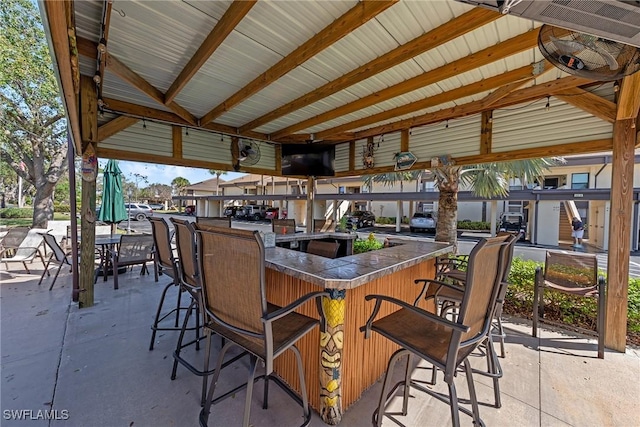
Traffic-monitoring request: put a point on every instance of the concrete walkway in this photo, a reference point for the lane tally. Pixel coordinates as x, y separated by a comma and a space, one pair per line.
93, 368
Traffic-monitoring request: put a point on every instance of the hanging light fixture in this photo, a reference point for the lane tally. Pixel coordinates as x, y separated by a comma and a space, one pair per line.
546, 107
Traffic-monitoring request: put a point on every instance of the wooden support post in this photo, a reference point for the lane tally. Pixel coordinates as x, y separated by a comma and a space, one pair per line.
624, 141
404, 140
89, 132
486, 132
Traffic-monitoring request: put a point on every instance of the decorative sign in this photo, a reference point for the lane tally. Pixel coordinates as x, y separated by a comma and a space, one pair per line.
404, 160
89, 164
367, 155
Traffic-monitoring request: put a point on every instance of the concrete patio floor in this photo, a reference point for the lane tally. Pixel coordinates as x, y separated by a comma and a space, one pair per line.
94, 368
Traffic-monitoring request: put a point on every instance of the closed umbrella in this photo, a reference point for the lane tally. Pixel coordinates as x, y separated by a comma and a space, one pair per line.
112, 210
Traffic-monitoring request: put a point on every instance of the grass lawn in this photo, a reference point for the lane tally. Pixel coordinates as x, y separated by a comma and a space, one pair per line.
26, 222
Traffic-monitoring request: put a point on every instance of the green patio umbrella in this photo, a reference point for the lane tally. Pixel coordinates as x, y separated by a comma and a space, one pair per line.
112, 210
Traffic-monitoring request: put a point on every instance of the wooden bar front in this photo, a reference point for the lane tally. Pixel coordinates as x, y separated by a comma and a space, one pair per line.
362, 361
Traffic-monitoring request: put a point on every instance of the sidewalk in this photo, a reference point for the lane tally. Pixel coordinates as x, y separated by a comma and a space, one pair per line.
94, 366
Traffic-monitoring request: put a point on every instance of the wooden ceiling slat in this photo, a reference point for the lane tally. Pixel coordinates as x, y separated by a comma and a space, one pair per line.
354, 18
476, 107
461, 92
446, 32
592, 104
486, 56
629, 98
114, 126
224, 27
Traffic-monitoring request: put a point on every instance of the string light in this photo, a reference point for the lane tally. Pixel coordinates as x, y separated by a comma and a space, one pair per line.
187, 132
102, 46
221, 138
446, 126
546, 107
96, 78
144, 124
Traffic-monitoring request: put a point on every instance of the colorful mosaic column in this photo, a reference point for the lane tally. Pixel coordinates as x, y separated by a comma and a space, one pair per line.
331, 340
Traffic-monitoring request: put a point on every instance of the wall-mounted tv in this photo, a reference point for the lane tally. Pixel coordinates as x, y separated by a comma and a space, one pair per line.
308, 159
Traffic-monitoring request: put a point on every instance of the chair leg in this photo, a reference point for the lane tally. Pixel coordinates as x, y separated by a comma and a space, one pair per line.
46, 269
247, 403
176, 354
178, 307
472, 393
206, 410
154, 327
601, 318
53, 282
407, 386
25, 267
205, 368
303, 386
105, 271
378, 414
495, 370
536, 291
501, 337
453, 402
197, 324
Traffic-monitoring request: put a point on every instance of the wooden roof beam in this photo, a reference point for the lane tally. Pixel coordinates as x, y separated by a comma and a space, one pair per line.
461, 92
58, 20
476, 107
592, 104
224, 27
507, 89
629, 97
446, 32
486, 56
89, 49
141, 111
114, 126
354, 18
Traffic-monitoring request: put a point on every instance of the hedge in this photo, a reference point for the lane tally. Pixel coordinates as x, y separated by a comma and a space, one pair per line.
16, 213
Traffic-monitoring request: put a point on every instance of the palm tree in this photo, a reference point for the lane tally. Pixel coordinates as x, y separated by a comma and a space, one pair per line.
180, 185
486, 180
390, 179
217, 173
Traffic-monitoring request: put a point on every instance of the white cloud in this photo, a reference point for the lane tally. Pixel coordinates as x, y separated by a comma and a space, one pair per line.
164, 174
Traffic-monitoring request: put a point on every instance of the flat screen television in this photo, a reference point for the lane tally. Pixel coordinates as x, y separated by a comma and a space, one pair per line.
308, 159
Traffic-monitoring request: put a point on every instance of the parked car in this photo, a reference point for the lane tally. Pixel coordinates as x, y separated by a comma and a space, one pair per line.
190, 209
255, 212
156, 206
359, 219
272, 213
423, 221
513, 222
232, 211
138, 211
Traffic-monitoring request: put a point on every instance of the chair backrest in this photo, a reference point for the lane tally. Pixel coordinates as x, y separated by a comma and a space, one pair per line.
216, 221
324, 225
32, 240
51, 241
14, 237
325, 249
283, 226
232, 268
485, 271
135, 248
571, 270
162, 240
186, 248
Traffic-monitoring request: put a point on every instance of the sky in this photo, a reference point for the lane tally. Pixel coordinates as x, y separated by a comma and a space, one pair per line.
164, 174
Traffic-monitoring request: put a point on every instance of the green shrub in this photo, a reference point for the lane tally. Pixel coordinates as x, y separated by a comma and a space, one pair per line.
16, 213
61, 208
369, 244
473, 225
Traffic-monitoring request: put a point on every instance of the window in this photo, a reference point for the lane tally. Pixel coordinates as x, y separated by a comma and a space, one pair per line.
579, 181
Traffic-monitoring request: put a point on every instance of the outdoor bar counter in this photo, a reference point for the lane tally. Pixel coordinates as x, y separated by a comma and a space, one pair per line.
339, 363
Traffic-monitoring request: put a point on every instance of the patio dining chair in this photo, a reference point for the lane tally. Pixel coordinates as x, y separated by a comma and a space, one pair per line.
448, 301
444, 343
324, 225
27, 251
132, 250
573, 274
232, 267
325, 249
283, 226
165, 263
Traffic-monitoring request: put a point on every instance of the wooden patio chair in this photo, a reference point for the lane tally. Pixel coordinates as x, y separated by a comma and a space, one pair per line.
444, 343
325, 249
324, 225
132, 250
573, 274
27, 251
283, 226
232, 266
214, 221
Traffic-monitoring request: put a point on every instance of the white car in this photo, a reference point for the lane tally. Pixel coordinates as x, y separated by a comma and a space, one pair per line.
423, 221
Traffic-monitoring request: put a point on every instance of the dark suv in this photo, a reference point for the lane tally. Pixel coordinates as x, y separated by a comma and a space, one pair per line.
359, 219
232, 211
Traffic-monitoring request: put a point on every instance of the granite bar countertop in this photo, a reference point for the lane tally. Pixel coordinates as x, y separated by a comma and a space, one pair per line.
353, 270
293, 237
